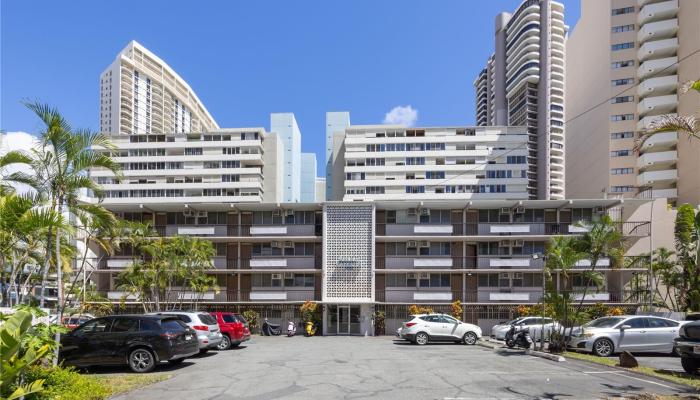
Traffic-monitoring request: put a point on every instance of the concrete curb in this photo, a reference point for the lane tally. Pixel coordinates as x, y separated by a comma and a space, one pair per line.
487, 344
548, 356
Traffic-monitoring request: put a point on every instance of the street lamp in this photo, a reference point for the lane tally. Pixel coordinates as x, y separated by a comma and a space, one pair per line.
537, 256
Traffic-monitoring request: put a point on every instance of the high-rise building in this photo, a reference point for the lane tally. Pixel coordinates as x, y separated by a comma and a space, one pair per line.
308, 178
627, 59
336, 122
285, 126
389, 162
141, 94
523, 85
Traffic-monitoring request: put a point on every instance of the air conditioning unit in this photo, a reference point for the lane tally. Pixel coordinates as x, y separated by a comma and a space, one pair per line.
277, 244
505, 210
599, 210
505, 243
188, 213
202, 213
288, 245
424, 275
288, 275
410, 276
277, 213
518, 243
520, 210
424, 243
411, 244
424, 212
288, 213
412, 211
276, 276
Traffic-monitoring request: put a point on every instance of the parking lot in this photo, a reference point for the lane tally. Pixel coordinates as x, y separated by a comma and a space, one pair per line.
358, 367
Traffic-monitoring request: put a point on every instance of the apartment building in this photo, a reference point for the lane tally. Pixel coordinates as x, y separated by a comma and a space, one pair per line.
223, 166
385, 162
307, 184
522, 84
627, 59
355, 258
336, 123
141, 94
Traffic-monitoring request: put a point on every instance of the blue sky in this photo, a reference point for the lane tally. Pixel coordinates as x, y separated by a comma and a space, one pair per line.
245, 59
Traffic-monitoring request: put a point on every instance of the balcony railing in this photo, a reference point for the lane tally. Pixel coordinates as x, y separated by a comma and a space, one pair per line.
495, 261
630, 228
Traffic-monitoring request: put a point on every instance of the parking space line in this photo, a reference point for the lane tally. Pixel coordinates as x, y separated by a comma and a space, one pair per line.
643, 380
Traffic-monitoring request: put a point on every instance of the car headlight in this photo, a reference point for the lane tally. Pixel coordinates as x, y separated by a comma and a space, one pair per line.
587, 335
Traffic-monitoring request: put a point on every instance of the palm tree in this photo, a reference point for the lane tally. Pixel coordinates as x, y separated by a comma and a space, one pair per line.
685, 124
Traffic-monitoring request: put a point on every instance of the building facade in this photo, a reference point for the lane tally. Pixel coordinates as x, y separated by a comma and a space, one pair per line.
141, 94
336, 123
355, 258
522, 84
385, 162
286, 127
627, 59
307, 190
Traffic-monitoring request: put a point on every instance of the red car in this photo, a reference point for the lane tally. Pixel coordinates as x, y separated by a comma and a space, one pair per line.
234, 329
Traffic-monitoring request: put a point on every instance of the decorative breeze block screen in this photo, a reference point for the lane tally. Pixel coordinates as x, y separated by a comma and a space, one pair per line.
348, 252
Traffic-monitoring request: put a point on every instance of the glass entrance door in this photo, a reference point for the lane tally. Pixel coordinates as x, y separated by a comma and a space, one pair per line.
343, 320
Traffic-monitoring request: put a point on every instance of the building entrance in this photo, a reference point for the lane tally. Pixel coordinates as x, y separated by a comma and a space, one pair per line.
343, 319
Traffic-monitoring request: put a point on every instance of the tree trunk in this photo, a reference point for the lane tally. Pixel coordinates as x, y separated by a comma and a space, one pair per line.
59, 282
45, 273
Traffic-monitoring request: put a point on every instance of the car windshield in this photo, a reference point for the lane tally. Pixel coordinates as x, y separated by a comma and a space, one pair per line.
606, 322
207, 319
513, 321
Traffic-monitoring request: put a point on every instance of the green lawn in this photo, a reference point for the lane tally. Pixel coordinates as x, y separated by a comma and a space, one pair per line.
120, 383
673, 376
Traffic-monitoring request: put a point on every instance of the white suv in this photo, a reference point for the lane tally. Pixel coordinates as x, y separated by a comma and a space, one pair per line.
423, 328
208, 332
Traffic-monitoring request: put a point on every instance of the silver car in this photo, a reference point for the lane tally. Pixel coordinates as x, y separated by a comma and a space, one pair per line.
208, 332
533, 324
633, 333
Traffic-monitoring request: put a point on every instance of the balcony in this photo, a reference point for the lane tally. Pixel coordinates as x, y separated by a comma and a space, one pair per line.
662, 158
410, 229
265, 295
507, 262
662, 85
664, 193
275, 230
653, 67
281, 262
646, 122
417, 295
420, 262
660, 141
657, 104
119, 262
520, 229
663, 176
658, 30
657, 11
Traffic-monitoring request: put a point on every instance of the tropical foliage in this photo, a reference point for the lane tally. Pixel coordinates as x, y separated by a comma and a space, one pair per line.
309, 311
687, 242
414, 310
456, 309
16, 356
253, 319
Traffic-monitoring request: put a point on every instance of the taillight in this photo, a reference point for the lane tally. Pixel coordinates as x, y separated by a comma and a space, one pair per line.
168, 335
201, 328
410, 324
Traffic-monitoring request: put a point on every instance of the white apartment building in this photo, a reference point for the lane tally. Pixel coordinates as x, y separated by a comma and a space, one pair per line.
628, 58
141, 94
387, 162
523, 85
223, 166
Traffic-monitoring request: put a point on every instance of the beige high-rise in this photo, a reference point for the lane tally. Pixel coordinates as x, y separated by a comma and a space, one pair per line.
141, 94
626, 60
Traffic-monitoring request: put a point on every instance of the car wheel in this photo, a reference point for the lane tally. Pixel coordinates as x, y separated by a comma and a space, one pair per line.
691, 365
141, 361
421, 338
176, 361
225, 343
470, 338
603, 347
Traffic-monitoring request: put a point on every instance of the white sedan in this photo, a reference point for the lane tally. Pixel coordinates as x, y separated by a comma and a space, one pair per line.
424, 328
534, 324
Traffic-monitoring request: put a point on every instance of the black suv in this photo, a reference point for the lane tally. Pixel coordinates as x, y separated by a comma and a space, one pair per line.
140, 341
688, 346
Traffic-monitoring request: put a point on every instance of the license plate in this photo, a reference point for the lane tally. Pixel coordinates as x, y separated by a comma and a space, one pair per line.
188, 337
696, 349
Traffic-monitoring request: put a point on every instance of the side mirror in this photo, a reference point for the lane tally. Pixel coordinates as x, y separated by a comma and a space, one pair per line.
623, 327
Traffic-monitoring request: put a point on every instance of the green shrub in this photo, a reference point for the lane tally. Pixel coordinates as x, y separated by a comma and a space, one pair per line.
66, 384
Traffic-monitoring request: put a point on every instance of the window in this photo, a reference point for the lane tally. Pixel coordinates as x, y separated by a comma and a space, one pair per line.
620, 153
622, 28
228, 318
622, 46
622, 99
622, 171
96, 325
125, 325
435, 175
661, 323
622, 82
415, 160
624, 10
621, 135
637, 323
391, 216
515, 159
415, 189
621, 189
621, 117
622, 64
173, 325
374, 190
195, 151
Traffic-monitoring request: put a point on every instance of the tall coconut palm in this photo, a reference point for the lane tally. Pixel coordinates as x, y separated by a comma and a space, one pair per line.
688, 125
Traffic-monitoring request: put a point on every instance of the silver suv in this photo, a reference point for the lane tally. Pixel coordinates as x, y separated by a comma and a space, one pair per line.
208, 332
424, 328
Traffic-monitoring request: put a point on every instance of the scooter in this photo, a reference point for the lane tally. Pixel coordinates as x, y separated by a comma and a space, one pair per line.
518, 336
310, 329
291, 329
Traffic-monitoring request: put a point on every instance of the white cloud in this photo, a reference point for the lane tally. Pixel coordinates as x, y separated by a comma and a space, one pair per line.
401, 115
17, 141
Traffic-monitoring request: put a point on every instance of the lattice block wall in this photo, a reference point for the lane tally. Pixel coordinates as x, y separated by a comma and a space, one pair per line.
348, 252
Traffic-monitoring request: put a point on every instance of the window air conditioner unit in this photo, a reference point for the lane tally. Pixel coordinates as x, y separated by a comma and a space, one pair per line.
518, 243
188, 213
520, 210
505, 210
412, 211
505, 243
599, 210
411, 276
424, 243
276, 244
202, 213
276, 276
288, 213
424, 212
288, 245
424, 275
288, 275
411, 244
277, 213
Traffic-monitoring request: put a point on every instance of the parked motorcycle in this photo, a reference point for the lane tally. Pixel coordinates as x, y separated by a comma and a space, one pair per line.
310, 329
518, 336
291, 329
